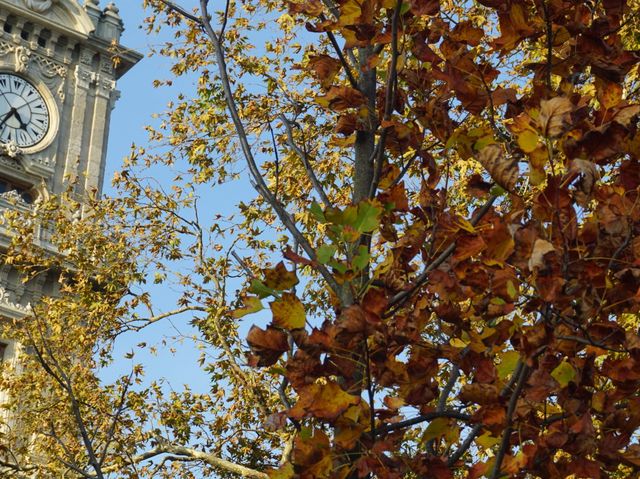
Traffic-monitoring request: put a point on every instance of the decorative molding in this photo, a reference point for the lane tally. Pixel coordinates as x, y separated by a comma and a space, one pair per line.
106, 86
8, 162
53, 73
84, 77
5, 300
13, 197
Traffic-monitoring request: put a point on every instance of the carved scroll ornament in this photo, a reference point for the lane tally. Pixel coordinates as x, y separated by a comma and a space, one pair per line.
40, 6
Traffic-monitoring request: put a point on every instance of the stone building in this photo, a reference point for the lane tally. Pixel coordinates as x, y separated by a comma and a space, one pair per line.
57, 91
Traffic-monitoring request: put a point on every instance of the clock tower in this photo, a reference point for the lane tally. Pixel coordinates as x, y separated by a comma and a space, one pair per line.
59, 63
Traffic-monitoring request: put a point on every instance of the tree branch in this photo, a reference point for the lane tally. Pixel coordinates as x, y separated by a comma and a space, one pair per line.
258, 180
506, 435
420, 419
399, 299
185, 453
390, 97
305, 161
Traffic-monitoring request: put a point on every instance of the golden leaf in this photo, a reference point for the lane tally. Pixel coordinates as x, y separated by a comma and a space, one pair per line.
288, 312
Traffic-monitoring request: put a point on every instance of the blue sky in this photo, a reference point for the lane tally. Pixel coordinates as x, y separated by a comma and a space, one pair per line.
138, 103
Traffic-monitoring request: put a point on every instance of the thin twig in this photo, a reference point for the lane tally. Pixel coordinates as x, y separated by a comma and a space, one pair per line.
420, 419
256, 177
305, 162
390, 98
399, 299
506, 435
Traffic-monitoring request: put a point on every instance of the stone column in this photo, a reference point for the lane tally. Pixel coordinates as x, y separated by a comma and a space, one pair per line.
84, 77
105, 89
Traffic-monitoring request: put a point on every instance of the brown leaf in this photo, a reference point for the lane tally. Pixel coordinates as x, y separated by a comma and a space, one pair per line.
424, 7
502, 169
322, 401
479, 393
585, 468
313, 454
555, 115
540, 249
325, 67
587, 174
267, 345
279, 278
625, 114
339, 98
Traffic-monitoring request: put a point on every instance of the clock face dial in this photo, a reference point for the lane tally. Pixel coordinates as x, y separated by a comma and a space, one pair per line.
24, 115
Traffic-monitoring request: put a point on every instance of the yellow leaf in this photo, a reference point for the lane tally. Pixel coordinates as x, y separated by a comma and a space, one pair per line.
487, 441
528, 141
284, 472
288, 312
350, 12
251, 304
564, 373
458, 343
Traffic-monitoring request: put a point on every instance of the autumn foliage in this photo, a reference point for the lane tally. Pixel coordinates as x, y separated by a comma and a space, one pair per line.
511, 330
455, 286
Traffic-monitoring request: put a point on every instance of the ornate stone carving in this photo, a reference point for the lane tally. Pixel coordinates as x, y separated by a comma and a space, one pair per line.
13, 197
11, 149
40, 6
11, 163
5, 300
23, 55
53, 73
84, 77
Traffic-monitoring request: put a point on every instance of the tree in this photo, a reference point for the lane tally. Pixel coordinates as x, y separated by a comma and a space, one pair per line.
445, 228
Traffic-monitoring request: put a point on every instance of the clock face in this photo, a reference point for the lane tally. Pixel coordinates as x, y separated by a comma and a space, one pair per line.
24, 115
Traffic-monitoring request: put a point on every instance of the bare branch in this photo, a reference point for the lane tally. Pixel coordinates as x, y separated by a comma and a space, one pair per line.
188, 454
180, 10
506, 435
420, 419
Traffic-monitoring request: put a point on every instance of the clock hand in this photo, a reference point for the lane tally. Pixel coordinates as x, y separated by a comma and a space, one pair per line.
22, 124
7, 116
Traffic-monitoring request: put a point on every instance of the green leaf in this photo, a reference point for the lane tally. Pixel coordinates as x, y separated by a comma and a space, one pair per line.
259, 288
497, 190
508, 362
325, 252
317, 213
564, 373
339, 266
368, 217
251, 304
361, 261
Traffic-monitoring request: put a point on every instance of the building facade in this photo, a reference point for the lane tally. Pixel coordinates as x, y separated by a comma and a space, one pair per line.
57, 90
